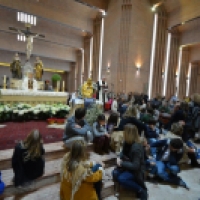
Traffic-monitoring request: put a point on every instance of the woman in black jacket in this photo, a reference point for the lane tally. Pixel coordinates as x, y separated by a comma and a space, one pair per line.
131, 165
130, 117
27, 159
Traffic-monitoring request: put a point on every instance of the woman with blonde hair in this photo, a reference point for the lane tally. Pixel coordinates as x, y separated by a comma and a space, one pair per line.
130, 117
131, 165
28, 159
80, 177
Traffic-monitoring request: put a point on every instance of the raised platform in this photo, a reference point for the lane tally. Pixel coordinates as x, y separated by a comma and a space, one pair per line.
32, 97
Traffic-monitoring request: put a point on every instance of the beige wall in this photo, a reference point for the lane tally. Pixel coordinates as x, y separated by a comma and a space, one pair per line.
191, 36
140, 45
183, 11
195, 53
111, 42
139, 40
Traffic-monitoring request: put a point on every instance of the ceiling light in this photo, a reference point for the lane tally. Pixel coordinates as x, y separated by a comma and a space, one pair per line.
26, 18
153, 8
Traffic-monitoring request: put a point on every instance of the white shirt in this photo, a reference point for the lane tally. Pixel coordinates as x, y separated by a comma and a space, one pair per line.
165, 157
114, 106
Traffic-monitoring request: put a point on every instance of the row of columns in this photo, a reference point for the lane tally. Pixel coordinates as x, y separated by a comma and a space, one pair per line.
173, 73
89, 58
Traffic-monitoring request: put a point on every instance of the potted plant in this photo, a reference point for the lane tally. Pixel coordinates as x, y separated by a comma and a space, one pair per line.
56, 78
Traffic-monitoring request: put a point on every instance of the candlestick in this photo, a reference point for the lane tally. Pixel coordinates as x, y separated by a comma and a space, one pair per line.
4, 79
63, 86
57, 86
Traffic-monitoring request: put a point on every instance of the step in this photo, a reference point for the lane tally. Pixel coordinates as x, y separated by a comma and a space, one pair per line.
52, 174
52, 151
50, 192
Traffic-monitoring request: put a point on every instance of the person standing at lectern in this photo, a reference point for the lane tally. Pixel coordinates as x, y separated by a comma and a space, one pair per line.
102, 88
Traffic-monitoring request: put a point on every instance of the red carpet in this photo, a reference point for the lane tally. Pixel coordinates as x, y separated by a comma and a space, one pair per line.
15, 131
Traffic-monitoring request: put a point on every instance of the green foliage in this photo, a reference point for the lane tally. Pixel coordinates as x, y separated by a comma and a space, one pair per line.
92, 114
56, 77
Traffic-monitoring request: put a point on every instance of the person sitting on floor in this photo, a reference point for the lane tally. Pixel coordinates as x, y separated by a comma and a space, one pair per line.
129, 117
80, 177
28, 159
77, 128
152, 135
131, 165
190, 150
169, 153
2, 185
112, 122
150, 161
101, 137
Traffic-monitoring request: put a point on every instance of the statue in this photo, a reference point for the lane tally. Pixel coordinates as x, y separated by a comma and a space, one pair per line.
29, 38
15, 67
29, 83
87, 89
38, 69
29, 45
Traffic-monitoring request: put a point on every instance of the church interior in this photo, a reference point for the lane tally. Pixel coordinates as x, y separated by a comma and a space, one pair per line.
131, 59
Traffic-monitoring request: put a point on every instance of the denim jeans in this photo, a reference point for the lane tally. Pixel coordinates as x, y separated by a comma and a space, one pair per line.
168, 177
97, 185
126, 179
152, 169
152, 149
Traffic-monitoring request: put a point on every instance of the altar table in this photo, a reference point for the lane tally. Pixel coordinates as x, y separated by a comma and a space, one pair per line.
32, 97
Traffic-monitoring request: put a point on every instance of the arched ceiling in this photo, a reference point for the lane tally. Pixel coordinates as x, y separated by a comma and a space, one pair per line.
179, 11
64, 23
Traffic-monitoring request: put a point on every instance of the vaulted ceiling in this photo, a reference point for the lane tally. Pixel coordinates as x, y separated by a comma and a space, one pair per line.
179, 11
64, 23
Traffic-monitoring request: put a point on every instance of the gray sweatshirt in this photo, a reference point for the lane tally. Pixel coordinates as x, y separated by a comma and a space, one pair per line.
72, 131
98, 130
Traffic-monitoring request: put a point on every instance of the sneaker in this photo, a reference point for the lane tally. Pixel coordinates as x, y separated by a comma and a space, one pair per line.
183, 184
143, 194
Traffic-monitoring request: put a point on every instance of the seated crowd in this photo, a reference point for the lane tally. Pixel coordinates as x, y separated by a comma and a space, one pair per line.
151, 140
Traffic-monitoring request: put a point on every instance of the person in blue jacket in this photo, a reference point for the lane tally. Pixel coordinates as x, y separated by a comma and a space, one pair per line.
169, 153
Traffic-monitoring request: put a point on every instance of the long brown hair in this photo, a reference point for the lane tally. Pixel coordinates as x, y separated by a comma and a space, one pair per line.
130, 112
131, 134
77, 154
33, 144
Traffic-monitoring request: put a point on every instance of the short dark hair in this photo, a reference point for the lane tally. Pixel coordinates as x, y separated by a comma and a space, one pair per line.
80, 113
152, 122
176, 143
101, 117
113, 119
150, 111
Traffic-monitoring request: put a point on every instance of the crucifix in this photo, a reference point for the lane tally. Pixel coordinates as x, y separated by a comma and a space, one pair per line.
29, 38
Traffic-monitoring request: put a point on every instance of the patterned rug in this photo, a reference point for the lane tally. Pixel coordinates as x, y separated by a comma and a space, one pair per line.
15, 131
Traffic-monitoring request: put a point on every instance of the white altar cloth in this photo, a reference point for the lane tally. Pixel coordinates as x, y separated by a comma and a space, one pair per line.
12, 92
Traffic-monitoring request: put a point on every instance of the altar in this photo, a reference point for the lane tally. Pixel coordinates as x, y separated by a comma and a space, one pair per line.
10, 96
17, 84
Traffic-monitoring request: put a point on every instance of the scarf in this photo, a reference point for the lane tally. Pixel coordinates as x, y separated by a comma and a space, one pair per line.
76, 177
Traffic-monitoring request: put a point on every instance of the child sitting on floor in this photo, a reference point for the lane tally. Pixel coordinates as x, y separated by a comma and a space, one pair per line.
101, 137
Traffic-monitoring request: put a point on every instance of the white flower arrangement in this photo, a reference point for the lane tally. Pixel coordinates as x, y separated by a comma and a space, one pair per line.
10, 112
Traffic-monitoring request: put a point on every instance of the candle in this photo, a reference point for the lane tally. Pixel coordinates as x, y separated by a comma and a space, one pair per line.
63, 86
4, 80
58, 86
